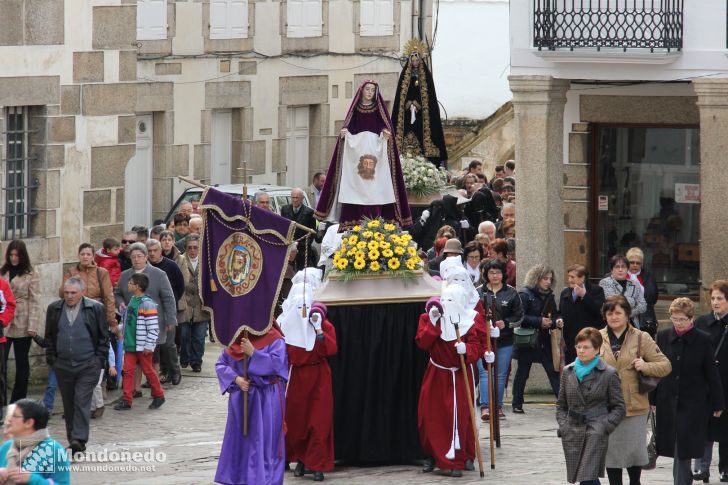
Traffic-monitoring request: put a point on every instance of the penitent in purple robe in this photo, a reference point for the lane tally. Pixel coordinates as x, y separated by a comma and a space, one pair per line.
259, 457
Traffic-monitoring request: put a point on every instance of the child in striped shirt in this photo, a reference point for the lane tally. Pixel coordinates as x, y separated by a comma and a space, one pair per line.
141, 330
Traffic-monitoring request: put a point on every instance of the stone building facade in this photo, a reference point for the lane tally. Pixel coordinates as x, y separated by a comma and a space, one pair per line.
620, 138
104, 103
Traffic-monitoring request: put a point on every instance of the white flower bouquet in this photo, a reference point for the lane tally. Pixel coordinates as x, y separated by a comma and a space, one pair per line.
421, 178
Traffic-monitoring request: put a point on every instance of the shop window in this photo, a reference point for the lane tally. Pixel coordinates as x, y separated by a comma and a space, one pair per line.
647, 194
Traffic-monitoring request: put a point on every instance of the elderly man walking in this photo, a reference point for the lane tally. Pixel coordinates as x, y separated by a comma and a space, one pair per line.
78, 346
159, 290
300, 213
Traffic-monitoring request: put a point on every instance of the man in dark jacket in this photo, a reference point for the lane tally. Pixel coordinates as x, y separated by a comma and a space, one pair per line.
169, 364
298, 212
715, 324
77, 336
580, 306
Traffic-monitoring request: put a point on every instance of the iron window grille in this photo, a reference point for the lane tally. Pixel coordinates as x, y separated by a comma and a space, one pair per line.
17, 186
616, 24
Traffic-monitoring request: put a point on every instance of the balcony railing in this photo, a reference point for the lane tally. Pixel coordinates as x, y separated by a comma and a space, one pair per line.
614, 24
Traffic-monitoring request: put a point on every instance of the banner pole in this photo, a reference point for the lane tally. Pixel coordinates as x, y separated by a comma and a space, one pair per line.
203, 186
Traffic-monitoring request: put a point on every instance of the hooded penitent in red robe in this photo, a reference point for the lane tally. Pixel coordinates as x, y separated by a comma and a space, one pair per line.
310, 401
436, 409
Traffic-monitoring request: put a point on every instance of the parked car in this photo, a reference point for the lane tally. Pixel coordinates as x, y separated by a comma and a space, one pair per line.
279, 196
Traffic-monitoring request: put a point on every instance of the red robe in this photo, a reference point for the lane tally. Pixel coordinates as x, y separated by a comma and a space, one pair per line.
310, 404
435, 408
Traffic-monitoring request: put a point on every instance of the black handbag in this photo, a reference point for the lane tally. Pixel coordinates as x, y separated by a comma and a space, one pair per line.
646, 383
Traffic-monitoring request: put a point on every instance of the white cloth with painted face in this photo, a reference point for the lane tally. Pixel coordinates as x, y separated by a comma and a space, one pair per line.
312, 277
458, 275
294, 320
455, 310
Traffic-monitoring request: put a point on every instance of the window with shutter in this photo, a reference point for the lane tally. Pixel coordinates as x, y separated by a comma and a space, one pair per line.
304, 18
151, 19
228, 19
376, 18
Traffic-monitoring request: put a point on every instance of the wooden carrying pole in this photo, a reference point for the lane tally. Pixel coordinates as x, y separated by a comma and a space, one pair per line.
245, 393
491, 405
203, 186
471, 406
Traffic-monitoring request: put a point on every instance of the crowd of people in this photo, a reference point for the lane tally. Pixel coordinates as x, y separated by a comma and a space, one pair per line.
137, 304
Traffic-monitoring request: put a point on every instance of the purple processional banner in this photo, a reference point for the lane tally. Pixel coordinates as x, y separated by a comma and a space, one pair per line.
243, 254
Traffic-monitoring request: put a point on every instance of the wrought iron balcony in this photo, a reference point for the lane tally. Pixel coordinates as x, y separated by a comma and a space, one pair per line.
614, 24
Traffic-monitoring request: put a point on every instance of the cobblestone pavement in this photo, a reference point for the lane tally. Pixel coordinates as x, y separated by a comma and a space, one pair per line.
188, 429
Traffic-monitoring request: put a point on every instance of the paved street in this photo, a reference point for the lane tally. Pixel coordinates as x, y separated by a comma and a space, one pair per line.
189, 429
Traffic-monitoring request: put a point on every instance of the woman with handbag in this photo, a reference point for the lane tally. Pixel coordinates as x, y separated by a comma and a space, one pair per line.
634, 354
642, 277
532, 339
687, 397
715, 324
589, 408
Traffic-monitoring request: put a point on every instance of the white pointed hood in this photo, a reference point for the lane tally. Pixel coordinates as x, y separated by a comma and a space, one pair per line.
312, 277
454, 301
296, 328
458, 275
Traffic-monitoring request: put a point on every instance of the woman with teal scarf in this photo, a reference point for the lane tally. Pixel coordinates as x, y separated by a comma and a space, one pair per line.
589, 407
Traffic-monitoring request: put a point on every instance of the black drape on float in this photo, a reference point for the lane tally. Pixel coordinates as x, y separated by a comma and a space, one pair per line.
376, 375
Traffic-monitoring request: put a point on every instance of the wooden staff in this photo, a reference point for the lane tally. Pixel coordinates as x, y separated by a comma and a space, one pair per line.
245, 393
470, 405
493, 383
491, 405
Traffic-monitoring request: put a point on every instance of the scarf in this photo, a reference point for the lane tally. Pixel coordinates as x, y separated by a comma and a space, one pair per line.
637, 279
680, 334
22, 447
474, 273
582, 370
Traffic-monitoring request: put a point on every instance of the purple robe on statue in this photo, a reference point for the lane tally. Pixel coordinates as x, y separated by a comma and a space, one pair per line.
259, 457
374, 118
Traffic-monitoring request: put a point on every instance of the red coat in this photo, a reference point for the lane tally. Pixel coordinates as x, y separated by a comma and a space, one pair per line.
310, 404
110, 264
7, 306
435, 408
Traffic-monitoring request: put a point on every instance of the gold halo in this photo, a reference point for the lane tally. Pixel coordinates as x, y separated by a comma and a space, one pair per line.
416, 45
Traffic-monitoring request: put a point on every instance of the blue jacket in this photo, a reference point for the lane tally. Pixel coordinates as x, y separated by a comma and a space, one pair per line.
54, 466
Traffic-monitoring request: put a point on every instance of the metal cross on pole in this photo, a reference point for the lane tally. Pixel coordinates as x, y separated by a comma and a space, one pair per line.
245, 171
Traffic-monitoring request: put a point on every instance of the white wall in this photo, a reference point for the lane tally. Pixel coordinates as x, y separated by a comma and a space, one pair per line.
704, 49
471, 57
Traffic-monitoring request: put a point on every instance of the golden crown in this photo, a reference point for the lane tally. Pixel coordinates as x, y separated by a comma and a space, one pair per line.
416, 45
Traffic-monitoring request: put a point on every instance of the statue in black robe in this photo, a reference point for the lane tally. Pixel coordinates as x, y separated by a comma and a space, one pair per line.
415, 112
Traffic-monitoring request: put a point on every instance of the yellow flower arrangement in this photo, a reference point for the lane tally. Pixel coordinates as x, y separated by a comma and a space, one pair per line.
376, 246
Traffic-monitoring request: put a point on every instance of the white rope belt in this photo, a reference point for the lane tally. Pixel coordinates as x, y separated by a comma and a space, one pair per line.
455, 443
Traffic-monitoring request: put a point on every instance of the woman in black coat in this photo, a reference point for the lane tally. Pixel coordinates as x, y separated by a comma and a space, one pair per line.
715, 324
687, 397
580, 306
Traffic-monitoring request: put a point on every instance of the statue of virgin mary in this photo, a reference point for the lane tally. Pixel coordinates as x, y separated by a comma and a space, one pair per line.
364, 178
